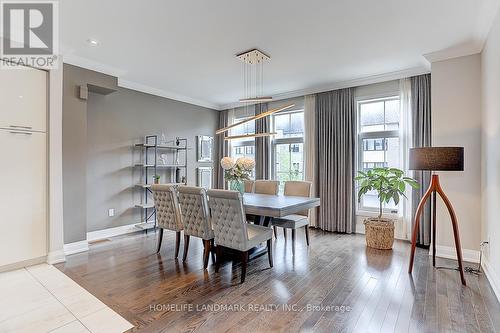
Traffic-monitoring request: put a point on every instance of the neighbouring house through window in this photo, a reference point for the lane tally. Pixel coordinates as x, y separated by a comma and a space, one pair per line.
378, 142
288, 146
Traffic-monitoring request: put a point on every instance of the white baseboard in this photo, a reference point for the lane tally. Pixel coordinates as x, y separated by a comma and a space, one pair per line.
111, 232
56, 257
83, 246
76, 247
449, 252
492, 277
22, 264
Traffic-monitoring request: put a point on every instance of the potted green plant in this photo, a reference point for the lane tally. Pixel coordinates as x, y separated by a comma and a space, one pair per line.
390, 184
156, 179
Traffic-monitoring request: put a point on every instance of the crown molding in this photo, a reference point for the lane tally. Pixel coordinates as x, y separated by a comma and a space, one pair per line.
377, 78
454, 52
362, 81
119, 73
489, 11
166, 94
92, 65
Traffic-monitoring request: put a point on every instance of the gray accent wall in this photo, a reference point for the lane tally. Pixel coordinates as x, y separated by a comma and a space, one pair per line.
98, 135
115, 123
74, 148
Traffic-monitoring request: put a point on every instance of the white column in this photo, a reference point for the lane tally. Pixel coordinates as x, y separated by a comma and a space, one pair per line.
56, 235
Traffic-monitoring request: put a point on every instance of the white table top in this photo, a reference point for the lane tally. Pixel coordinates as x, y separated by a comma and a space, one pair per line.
276, 205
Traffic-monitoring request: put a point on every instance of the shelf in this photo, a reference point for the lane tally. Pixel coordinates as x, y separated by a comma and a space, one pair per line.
149, 185
145, 225
144, 206
150, 145
141, 165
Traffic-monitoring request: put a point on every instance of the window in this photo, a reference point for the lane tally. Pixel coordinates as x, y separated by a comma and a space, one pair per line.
288, 147
243, 147
378, 143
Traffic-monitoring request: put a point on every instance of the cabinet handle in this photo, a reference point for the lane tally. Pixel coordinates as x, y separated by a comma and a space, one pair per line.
15, 126
27, 133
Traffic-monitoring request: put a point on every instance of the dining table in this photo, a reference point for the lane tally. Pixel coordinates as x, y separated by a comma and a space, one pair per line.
266, 206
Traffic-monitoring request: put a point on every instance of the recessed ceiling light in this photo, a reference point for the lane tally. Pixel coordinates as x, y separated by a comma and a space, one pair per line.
93, 42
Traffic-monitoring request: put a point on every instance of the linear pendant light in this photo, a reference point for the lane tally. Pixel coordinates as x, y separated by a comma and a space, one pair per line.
259, 116
262, 99
253, 82
244, 136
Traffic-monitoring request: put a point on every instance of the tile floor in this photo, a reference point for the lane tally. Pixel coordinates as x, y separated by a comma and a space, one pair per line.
42, 299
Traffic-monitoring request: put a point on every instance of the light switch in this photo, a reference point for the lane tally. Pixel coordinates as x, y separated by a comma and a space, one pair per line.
111, 212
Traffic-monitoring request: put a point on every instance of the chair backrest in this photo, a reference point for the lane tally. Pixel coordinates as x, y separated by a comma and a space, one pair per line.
228, 218
267, 187
299, 189
168, 214
195, 212
248, 186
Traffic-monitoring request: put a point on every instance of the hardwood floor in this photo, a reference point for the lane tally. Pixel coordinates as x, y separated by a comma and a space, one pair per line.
337, 284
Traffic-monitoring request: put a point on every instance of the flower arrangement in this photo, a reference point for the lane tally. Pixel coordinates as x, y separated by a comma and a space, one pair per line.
238, 170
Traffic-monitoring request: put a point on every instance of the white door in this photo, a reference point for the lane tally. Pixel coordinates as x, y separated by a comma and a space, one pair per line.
23, 99
23, 195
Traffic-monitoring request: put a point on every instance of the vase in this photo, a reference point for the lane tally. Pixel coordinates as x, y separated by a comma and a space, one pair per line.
237, 185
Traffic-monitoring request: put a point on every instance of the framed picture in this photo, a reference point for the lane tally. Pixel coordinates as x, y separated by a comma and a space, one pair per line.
204, 178
205, 145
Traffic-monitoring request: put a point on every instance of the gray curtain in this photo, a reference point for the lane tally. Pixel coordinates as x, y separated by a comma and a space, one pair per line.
221, 150
421, 137
335, 141
262, 163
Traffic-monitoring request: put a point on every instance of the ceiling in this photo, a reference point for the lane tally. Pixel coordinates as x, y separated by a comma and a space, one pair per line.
185, 50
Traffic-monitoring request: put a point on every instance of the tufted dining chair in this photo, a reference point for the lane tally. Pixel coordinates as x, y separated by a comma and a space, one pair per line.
266, 186
196, 219
263, 186
249, 184
168, 213
231, 229
299, 219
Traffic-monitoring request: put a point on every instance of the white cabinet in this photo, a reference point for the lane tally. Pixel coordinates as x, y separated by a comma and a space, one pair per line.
23, 196
23, 167
23, 99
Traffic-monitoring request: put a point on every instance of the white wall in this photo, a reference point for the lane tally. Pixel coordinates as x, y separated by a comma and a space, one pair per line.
456, 121
491, 154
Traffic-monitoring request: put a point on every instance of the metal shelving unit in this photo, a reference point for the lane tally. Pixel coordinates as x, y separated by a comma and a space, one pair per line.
150, 168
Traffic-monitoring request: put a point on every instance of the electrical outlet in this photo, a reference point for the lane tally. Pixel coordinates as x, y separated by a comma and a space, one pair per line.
111, 212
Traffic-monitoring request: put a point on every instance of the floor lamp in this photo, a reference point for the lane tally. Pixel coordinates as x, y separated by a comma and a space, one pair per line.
437, 159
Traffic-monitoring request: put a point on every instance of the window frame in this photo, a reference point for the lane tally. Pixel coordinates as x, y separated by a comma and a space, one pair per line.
244, 144
290, 141
385, 134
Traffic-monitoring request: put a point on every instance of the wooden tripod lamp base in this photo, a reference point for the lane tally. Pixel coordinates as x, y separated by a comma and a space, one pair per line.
437, 159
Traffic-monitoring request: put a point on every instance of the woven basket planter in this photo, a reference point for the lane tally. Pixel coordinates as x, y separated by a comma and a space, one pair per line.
379, 233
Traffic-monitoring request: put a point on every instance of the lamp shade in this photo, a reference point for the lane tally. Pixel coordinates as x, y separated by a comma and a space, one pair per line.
437, 158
